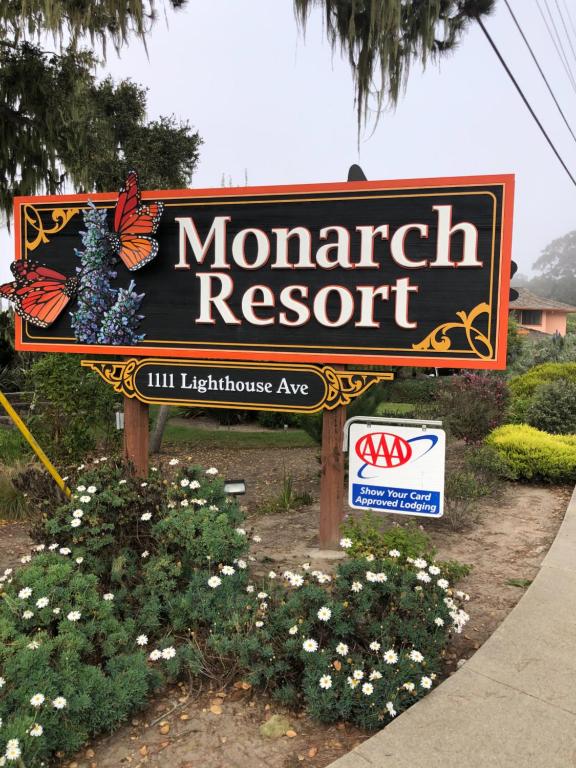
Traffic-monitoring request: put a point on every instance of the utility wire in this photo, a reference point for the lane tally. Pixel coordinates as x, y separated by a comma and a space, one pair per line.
566, 69
551, 92
524, 99
565, 29
570, 19
559, 40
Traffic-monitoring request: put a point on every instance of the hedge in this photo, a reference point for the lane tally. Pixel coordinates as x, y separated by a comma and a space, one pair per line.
531, 454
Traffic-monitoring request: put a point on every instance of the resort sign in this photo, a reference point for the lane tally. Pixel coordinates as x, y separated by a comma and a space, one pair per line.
374, 273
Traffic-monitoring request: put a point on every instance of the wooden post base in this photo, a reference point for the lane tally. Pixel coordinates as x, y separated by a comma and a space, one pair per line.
332, 478
136, 435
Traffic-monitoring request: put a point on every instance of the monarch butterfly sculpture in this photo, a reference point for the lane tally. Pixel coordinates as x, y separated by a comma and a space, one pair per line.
40, 293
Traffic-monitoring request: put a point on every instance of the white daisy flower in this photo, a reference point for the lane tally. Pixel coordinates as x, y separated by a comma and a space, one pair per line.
240, 531
370, 558
59, 702
42, 602
75, 522
108, 597
420, 563
293, 630
155, 655
439, 622
394, 553
212, 471
145, 554
85, 499
78, 513
169, 653
443, 583
357, 586
375, 646
342, 649
56, 611
409, 687
380, 578
310, 645
346, 543
2, 682
257, 539
375, 675
40, 547
146, 516
122, 482
81, 488
259, 624
142, 485
37, 700
390, 656
367, 689
242, 564
296, 580
227, 570
79, 560
426, 682
184, 503
36, 730
25, 559
173, 462
213, 508
262, 595
325, 682
91, 489
27, 615
324, 614
416, 656
214, 581
74, 616
142, 640
423, 576
272, 574
184, 483
33, 645
65, 550
390, 707
13, 751
351, 682
194, 485
52, 547
357, 674
370, 576
24, 593
250, 588
434, 570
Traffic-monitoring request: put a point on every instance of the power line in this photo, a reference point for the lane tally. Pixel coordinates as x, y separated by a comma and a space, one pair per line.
524, 99
540, 70
565, 29
570, 19
559, 39
566, 69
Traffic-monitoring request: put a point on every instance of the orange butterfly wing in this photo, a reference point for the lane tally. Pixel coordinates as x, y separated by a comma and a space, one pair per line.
134, 224
39, 293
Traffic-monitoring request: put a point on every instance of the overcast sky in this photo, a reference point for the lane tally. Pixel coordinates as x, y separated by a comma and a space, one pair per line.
277, 105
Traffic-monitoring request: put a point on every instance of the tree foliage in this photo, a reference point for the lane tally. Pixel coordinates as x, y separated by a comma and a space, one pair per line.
58, 126
556, 266
382, 38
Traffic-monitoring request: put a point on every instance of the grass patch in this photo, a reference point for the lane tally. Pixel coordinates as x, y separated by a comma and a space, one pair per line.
521, 583
224, 438
287, 500
396, 409
13, 447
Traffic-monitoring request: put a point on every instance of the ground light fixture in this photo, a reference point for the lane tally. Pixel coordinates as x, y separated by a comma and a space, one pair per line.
119, 414
235, 487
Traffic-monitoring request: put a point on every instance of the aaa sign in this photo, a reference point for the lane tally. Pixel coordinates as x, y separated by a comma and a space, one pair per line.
387, 272
397, 469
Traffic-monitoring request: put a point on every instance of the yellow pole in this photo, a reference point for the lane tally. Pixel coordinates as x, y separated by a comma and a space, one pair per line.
34, 445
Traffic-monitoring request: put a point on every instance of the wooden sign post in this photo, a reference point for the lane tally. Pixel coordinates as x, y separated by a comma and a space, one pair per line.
136, 435
332, 477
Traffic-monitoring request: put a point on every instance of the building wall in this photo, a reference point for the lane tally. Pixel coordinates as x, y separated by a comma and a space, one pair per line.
552, 322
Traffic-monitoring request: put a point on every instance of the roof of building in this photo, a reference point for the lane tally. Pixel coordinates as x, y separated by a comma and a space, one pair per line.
528, 300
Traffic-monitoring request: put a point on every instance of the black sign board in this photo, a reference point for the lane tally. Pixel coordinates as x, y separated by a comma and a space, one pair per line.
402, 272
250, 386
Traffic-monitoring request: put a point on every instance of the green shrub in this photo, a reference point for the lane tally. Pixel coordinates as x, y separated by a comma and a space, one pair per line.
553, 407
370, 536
137, 581
473, 405
277, 420
533, 455
415, 390
523, 388
75, 411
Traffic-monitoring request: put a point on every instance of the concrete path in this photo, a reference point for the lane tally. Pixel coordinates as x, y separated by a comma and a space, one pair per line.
513, 704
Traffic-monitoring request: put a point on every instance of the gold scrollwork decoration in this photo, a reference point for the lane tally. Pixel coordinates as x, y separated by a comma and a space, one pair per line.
119, 374
344, 386
33, 218
439, 341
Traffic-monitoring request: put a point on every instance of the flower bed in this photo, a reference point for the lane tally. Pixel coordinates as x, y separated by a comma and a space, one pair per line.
134, 583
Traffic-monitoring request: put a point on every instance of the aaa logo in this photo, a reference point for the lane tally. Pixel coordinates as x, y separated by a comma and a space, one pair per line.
383, 449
